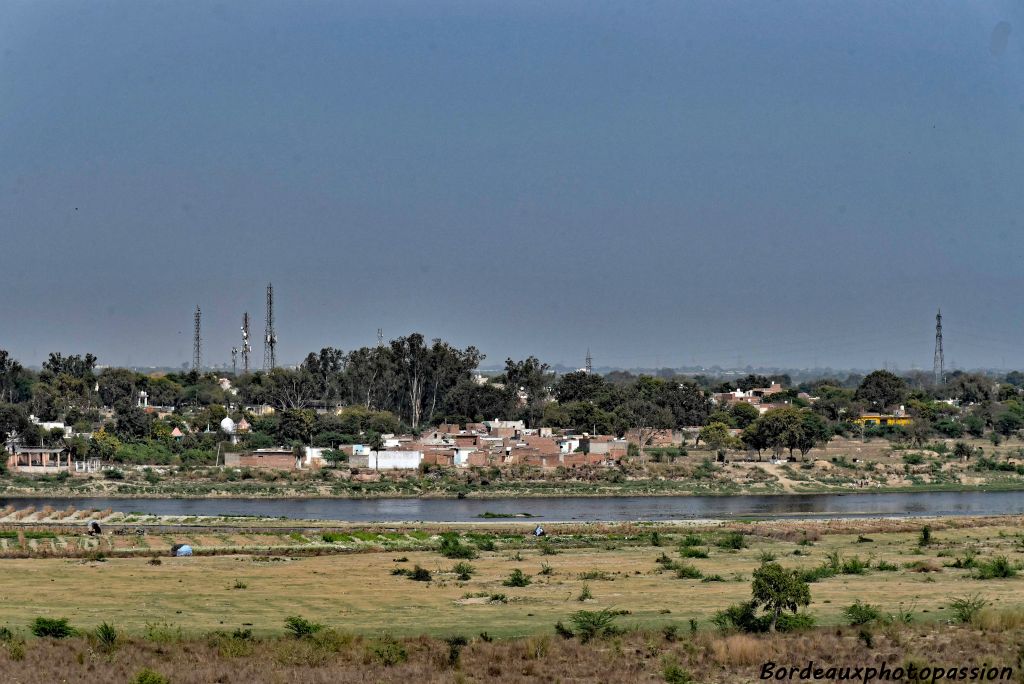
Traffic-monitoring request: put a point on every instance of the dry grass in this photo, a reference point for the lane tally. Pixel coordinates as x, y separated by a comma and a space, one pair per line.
633, 657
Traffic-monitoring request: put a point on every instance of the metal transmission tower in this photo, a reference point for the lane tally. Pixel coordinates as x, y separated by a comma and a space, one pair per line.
234, 360
246, 347
380, 337
938, 367
590, 362
270, 338
197, 342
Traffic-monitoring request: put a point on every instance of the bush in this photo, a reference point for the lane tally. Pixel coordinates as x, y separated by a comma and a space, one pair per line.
148, 676
861, 613
733, 540
418, 574
692, 552
464, 570
585, 594
672, 673
517, 579
332, 537
687, 571
452, 547
590, 624
965, 608
692, 540
926, 536
56, 628
886, 566
106, 635
997, 568
389, 652
455, 646
855, 566
301, 628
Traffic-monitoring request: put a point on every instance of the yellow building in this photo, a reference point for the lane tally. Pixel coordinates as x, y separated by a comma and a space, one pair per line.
883, 419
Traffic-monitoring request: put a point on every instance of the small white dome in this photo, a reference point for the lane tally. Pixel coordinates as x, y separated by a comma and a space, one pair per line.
228, 426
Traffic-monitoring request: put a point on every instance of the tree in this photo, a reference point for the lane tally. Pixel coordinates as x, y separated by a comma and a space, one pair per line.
117, 387
716, 436
1008, 423
132, 423
530, 377
11, 378
813, 431
777, 589
743, 414
645, 417
881, 389
583, 386
297, 425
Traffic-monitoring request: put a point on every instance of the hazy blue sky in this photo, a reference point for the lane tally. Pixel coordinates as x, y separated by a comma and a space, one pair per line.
667, 183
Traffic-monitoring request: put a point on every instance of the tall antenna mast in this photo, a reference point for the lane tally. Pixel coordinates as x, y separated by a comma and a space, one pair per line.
938, 367
197, 342
270, 338
380, 337
234, 360
590, 363
246, 347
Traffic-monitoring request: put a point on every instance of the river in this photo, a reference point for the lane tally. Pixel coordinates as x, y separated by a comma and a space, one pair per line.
569, 508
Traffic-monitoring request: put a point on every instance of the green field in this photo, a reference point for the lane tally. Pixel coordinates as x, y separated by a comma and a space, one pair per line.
354, 590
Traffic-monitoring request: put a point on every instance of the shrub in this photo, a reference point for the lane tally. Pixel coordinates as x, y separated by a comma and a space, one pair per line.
692, 540
455, 646
687, 571
464, 570
997, 568
965, 608
767, 557
148, 676
594, 575
332, 537
239, 584
56, 628
886, 566
301, 628
585, 594
692, 552
861, 613
590, 624
517, 579
673, 673
546, 569
106, 635
389, 652
452, 547
854, 566
926, 536
733, 540
418, 574
546, 549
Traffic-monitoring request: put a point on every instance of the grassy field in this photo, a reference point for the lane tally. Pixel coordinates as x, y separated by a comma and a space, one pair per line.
352, 587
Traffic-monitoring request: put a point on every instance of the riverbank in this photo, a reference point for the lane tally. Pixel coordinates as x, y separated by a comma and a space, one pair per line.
410, 487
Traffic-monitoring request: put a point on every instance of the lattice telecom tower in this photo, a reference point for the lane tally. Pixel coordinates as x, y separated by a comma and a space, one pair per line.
246, 347
234, 360
938, 367
270, 337
590, 362
197, 341
380, 337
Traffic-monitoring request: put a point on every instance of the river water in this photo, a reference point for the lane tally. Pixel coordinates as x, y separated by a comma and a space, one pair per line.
569, 508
